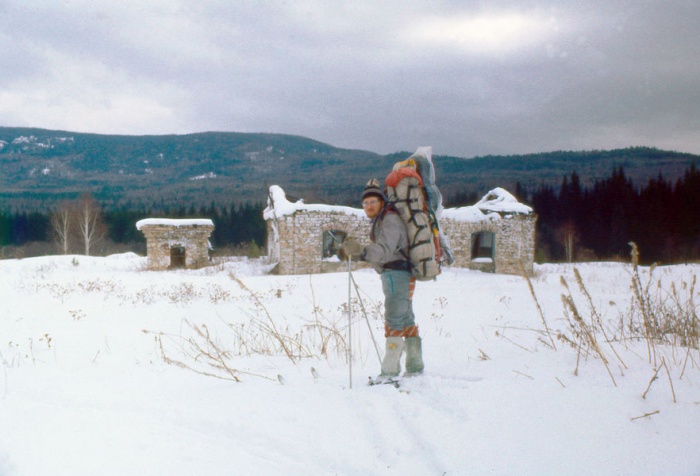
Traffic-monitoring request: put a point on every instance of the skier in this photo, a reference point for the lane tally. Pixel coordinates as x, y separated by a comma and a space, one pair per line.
387, 253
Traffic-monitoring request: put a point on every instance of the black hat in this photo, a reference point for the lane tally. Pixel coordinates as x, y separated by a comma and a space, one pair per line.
373, 188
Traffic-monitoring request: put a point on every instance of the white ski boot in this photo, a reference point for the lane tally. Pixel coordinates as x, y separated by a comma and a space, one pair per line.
414, 356
391, 364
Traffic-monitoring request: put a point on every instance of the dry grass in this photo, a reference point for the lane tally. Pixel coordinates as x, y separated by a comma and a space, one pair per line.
198, 349
661, 314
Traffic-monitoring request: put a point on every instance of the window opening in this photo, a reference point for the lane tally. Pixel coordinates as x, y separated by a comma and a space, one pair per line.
331, 242
483, 245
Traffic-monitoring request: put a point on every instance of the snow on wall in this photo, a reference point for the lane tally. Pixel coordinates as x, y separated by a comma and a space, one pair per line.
173, 222
499, 200
280, 206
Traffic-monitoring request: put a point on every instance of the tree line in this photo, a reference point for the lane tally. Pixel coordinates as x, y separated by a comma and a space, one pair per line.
575, 223
598, 222
83, 226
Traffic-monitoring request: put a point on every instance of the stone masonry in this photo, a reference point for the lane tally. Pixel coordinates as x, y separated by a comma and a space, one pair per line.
176, 243
514, 247
298, 249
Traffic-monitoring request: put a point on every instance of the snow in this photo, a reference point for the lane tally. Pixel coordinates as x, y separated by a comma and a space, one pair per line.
500, 200
173, 222
482, 260
84, 387
278, 206
204, 176
496, 202
24, 140
469, 214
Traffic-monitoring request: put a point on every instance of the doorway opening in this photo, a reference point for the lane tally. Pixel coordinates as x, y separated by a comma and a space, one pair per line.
178, 256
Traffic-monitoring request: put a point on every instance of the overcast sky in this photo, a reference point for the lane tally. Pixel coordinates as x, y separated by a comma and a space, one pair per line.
466, 77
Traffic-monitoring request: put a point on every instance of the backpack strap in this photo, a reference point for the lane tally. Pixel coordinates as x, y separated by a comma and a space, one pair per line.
388, 208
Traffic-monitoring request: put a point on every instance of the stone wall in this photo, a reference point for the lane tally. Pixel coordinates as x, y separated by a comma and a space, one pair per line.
295, 241
299, 245
514, 247
161, 239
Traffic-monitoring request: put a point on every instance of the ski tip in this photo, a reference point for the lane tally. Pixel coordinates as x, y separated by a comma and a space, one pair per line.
383, 381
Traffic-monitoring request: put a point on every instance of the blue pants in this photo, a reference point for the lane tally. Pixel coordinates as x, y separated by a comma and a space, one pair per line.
398, 303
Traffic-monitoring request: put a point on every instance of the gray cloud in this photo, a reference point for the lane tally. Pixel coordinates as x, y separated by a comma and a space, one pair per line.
467, 77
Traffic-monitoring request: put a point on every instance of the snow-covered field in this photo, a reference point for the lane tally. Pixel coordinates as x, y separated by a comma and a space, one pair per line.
90, 381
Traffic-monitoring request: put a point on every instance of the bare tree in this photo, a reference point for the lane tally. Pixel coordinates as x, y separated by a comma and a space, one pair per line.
62, 226
568, 234
90, 226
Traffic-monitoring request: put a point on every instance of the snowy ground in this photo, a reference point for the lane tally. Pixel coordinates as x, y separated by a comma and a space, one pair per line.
85, 387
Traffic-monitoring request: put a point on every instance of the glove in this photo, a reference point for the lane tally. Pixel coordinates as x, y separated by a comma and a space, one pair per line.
349, 249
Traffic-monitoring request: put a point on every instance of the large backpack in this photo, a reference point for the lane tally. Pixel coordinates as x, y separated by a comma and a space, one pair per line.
411, 190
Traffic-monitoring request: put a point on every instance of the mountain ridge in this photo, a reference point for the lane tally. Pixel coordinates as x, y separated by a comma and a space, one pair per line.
39, 167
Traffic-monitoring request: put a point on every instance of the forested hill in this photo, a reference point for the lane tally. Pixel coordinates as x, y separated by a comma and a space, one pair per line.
44, 166
640, 164
39, 168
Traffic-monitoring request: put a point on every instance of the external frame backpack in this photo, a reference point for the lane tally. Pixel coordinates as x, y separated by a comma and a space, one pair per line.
419, 206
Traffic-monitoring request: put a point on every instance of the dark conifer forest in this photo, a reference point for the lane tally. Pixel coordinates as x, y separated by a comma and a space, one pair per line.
575, 223
598, 222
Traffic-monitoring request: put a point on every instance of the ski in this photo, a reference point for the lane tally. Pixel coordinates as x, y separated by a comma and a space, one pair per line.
384, 381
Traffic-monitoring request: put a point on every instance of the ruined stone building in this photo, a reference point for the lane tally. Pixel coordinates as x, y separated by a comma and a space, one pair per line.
496, 235
172, 243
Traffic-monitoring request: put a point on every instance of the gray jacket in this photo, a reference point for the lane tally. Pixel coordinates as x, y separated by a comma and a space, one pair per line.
389, 239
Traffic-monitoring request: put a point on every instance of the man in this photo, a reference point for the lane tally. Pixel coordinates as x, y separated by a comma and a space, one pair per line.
388, 254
